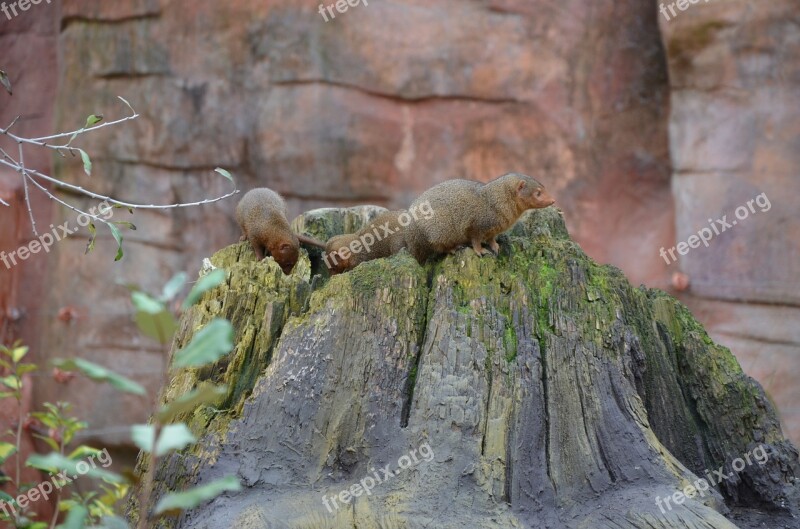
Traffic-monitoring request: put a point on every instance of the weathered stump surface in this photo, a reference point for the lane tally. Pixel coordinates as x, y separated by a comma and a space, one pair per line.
551, 392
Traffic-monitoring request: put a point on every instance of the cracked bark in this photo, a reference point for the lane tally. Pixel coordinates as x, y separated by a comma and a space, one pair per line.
551, 392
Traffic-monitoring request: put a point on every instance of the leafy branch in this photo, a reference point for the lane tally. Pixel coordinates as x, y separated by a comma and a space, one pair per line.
61, 143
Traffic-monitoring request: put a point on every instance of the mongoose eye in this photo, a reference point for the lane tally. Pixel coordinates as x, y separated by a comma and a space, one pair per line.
538, 193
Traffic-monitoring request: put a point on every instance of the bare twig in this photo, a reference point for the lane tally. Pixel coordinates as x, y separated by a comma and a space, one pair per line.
25, 185
65, 204
110, 200
3, 131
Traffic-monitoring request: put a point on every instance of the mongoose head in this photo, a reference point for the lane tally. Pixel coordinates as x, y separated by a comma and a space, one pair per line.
530, 193
285, 252
338, 257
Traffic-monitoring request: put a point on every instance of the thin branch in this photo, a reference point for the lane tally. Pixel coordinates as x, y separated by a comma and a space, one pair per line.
65, 204
5, 130
92, 194
83, 130
25, 185
30, 175
3, 202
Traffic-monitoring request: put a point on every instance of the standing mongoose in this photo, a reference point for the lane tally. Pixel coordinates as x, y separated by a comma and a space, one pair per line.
262, 216
467, 212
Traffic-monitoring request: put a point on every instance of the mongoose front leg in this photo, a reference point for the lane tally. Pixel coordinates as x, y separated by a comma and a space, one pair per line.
479, 249
494, 246
258, 250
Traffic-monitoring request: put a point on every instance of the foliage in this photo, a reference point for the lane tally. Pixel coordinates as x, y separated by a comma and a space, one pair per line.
54, 426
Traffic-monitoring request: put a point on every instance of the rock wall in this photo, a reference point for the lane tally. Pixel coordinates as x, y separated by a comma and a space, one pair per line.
29, 45
373, 106
389, 98
734, 70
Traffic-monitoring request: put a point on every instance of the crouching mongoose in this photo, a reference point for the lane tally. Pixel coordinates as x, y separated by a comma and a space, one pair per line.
468, 212
383, 237
262, 216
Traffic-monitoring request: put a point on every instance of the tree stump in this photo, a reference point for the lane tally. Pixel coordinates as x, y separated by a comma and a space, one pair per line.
549, 393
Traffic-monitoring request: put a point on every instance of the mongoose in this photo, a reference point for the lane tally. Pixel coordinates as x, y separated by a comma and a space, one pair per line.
386, 235
383, 237
467, 212
262, 216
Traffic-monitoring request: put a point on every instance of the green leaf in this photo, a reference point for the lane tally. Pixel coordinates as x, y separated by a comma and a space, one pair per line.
204, 284
87, 162
172, 437
93, 120
10, 382
99, 373
6, 451
180, 501
204, 394
144, 303
174, 286
5, 82
117, 237
208, 345
83, 452
6, 498
159, 327
55, 462
23, 369
76, 518
130, 225
18, 353
112, 522
48, 441
92, 237
153, 318
224, 173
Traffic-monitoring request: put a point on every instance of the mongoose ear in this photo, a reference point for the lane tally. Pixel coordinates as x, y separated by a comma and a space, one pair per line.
285, 247
520, 186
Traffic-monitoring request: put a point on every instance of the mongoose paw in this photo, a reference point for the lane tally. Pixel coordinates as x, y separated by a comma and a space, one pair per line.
495, 247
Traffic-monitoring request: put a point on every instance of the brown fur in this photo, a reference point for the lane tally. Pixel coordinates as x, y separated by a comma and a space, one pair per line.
467, 212
262, 216
339, 261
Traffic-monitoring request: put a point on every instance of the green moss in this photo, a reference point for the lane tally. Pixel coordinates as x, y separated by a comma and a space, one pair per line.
510, 343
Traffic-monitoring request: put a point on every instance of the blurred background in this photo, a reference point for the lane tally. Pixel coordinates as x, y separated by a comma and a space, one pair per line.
643, 128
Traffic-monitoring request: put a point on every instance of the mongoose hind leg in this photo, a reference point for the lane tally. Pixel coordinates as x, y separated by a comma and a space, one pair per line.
495, 246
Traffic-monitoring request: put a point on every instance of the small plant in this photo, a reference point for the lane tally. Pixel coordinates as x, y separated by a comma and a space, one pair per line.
56, 428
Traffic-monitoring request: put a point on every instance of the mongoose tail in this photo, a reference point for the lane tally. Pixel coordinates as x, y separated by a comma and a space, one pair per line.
310, 241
